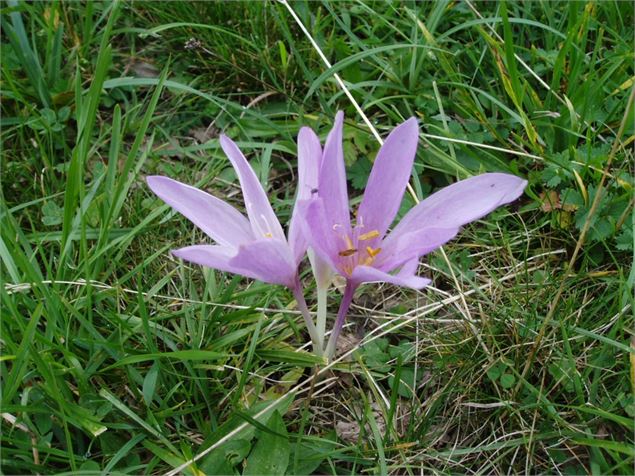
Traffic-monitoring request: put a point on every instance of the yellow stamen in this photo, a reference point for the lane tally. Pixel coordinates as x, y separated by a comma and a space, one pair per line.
368, 261
369, 236
348, 252
268, 235
349, 242
372, 252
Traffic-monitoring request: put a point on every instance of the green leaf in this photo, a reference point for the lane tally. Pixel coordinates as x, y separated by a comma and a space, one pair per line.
401, 349
571, 196
561, 371
51, 214
19, 39
179, 355
507, 380
310, 454
618, 446
376, 355
150, 383
552, 175
618, 345
290, 357
223, 459
358, 173
407, 382
495, 371
624, 240
284, 56
14, 378
89, 466
170, 457
271, 453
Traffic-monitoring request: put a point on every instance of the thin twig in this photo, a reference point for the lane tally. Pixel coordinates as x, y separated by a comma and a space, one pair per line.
20, 287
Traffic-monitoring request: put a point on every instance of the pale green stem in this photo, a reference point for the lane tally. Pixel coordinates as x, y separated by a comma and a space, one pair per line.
322, 292
323, 276
347, 299
308, 320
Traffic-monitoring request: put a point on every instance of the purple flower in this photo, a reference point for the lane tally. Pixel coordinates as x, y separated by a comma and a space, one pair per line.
256, 246
309, 163
363, 251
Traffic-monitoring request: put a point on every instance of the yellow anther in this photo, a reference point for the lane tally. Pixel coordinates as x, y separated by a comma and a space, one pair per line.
348, 252
268, 235
369, 236
372, 252
368, 261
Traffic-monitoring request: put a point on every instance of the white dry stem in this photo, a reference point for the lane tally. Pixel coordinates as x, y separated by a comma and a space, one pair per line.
335, 75
20, 287
8, 417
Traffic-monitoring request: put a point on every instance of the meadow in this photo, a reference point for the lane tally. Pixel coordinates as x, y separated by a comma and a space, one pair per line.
118, 358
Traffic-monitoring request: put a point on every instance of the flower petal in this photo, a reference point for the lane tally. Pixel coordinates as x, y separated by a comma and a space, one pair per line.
216, 218
408, 246
309, 160
365, 274
268, 260
461, 203
388, 178
318, 231
264, 222
332, 180
409, 267
211, 256
322, 270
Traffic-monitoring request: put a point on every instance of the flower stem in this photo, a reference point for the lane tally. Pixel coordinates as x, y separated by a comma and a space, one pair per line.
321, 312
308, 320
341, 317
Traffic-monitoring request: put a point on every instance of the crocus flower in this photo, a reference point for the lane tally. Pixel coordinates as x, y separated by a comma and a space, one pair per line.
256, 246
309, 163
364, 251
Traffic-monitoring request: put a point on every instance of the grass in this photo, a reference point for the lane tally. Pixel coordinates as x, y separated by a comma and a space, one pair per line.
118, 358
